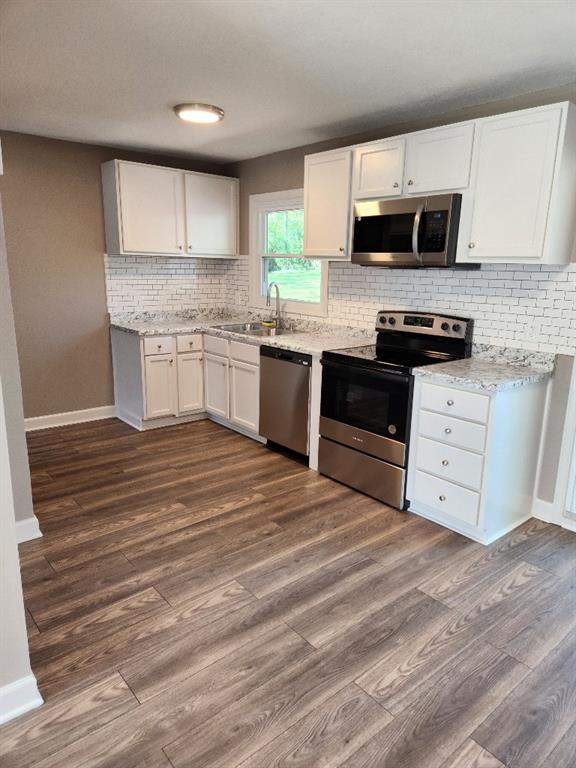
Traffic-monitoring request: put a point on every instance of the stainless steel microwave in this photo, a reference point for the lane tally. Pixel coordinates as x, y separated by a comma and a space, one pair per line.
408, 232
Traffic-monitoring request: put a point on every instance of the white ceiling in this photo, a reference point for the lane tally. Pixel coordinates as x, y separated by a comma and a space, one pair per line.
287, 72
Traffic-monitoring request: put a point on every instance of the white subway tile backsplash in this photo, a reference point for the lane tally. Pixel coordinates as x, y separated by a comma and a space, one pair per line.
526, 306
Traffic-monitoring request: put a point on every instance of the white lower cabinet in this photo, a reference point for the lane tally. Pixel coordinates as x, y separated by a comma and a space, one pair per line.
245, 395
162, 380
474, 470
190, 382
217, 385
159, 386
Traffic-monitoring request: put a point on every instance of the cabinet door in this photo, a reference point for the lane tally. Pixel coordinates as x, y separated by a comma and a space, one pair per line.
245, 395
439, 160
190, 382
327, 205
211, 215
379, 169
151, 209
160, 386
216, 385
514, 173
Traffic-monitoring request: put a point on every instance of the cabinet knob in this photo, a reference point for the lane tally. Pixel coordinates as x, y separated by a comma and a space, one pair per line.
396, 185
445, 462
179, 247
191, 343
410, 182
448, 431
341, 250
449, 402
442, 497
190, 248
171, 361
159, 346
471, 245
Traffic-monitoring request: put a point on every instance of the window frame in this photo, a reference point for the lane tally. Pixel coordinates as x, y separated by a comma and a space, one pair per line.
260, 205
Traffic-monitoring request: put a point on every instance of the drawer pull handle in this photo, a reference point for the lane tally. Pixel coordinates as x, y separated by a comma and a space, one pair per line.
448, 431
445, 462
449, 402
442, 497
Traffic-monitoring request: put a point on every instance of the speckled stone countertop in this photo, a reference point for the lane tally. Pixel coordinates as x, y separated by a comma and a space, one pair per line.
491, 369
311, 338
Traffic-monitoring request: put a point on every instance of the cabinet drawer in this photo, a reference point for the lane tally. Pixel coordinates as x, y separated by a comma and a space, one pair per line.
450, 462
189, 342
245, 353
455, 402
447, 498
158, 345
216, 345
463, 434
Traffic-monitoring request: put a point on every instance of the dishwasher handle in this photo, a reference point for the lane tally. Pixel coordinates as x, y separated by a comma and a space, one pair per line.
285, 354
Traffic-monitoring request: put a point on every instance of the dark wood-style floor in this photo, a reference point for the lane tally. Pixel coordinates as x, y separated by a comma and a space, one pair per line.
200, 601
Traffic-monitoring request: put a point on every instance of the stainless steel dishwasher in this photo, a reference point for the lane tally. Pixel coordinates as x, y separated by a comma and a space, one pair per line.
285, 397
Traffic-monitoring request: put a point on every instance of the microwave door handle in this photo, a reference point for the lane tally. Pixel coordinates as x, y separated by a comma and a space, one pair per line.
415, 231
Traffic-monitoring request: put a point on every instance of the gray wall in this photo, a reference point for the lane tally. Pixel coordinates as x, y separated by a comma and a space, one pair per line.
14, 491
55, 241
285, 170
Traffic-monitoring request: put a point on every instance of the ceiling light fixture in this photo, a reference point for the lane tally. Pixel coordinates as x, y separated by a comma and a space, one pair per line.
199, 113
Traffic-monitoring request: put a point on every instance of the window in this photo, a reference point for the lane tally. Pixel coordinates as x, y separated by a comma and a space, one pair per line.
276, 240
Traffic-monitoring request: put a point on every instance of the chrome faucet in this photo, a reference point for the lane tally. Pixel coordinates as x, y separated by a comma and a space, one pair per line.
268, 297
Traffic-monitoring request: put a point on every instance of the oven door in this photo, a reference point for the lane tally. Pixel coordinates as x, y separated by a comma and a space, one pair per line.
366, 409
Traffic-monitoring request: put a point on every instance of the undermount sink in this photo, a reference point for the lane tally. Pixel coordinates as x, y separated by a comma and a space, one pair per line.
250, 329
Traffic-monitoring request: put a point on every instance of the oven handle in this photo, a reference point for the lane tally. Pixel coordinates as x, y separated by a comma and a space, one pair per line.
415, 231
351, 369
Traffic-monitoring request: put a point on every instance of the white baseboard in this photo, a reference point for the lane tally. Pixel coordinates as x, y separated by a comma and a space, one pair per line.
19, 697
70, 417
549, 513
27, 529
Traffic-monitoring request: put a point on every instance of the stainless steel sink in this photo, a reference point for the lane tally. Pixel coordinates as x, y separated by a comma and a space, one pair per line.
250, 329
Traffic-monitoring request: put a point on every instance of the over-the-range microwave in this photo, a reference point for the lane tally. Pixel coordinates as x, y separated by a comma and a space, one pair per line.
407, 232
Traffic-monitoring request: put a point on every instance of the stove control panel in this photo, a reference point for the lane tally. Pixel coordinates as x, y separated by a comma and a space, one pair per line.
443, 326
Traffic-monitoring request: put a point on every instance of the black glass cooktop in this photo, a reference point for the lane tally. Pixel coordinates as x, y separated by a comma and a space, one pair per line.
380, 357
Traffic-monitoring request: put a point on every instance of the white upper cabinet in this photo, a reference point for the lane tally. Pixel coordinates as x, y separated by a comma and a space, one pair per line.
379, 169
524, 198
439, 160
151, 202
153, 210
211, 215
327, 204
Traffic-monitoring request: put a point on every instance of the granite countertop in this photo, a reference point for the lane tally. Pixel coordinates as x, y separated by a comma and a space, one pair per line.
313, 339
490, 369
482, 374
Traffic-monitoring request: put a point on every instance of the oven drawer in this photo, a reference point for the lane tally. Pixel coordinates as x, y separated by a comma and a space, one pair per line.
463, 434
455, 402
446, 497
374, 477
449, 462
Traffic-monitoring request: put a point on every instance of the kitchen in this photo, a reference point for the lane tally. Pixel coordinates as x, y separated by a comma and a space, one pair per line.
296, 391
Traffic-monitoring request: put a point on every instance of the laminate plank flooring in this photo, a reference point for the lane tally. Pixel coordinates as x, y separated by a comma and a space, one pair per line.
198, 600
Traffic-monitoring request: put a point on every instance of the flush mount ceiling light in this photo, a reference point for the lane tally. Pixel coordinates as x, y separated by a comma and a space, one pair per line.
199, 113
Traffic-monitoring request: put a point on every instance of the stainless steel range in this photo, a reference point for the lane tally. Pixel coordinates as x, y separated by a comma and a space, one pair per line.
367, 399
